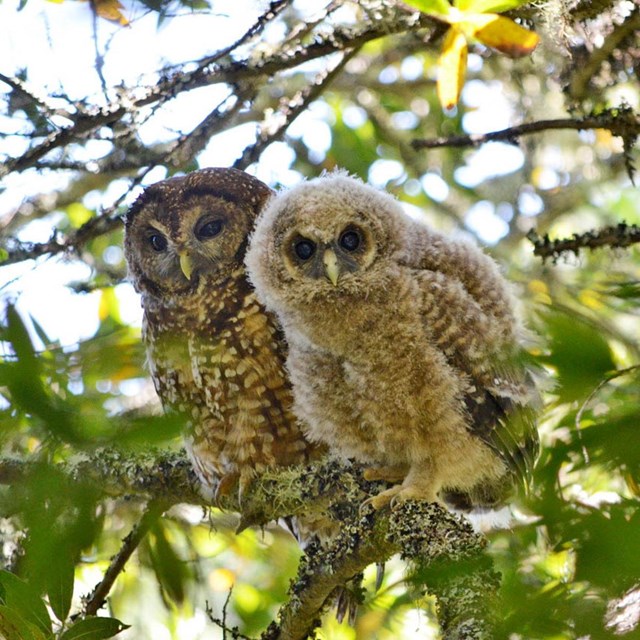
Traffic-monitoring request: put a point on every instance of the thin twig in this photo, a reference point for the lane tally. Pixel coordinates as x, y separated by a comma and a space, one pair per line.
620, 123
291, 110
222, 623
99, 58
21, 89
96, 600
274, 10
339, 40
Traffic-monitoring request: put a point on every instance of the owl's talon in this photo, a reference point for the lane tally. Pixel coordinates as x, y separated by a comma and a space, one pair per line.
225, 485
379, 575
243, 485
380, 501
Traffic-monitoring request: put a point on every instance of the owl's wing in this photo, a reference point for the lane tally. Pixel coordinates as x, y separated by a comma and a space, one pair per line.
503, 416
478, 335
428, 250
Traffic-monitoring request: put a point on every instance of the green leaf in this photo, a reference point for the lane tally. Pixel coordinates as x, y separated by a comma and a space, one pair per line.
432, 7
167, 565
59, 584
13, 626
487, 6
18, 335
40, 332
94, 629
581, 355
22, 598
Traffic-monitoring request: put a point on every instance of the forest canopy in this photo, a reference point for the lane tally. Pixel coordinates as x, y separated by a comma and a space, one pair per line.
509, 122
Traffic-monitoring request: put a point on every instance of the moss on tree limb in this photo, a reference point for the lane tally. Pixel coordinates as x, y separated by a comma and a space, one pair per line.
445, 555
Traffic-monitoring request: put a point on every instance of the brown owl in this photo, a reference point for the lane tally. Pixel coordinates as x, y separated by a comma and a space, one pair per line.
214, 354
404, 349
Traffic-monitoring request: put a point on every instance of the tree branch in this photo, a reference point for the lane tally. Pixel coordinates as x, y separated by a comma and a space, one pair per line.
289, 111
96, 600
87, 121
616, 237
620, 122
422, 533
583, 74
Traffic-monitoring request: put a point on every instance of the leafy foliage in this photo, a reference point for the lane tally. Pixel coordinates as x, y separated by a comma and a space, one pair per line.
572, 556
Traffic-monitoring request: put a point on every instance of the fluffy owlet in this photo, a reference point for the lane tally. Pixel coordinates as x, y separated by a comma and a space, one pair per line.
214, 354
404, 350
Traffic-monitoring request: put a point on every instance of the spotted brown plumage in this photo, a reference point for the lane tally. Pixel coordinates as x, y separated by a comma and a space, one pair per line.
214, 354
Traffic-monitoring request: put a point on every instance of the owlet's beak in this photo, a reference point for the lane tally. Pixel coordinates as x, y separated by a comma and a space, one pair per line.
186, 264
331, 266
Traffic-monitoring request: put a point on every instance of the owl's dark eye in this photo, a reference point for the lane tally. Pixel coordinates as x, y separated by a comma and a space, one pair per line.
158, 242
304, 249
210, 229
350, 240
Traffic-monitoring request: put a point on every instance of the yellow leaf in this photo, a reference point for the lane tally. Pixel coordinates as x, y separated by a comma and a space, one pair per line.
499, 33
452, 66
78, 214
110, 10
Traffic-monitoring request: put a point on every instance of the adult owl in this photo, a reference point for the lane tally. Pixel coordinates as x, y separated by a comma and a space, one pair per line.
404, 348
214, 354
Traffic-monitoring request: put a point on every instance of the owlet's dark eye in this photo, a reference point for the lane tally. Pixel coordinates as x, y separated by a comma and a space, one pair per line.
209, 230
158, 242
350, 240
304, 249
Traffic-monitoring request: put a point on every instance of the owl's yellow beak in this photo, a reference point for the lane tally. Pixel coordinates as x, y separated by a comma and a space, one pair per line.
331, 266
186, 264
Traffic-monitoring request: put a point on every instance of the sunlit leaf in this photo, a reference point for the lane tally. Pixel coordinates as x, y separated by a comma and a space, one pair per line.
110, 10
78, 214
25, 600
500, 33
14, 626
433, 7
94, 629
168, 566
452, 67
580, 354
59, 584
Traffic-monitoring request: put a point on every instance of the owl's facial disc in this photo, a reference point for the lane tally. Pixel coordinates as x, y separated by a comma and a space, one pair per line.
348, 252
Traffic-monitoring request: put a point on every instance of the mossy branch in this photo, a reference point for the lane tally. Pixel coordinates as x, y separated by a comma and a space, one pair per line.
426, 535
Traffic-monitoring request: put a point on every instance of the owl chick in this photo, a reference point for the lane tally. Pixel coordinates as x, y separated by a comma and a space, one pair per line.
403, 343
214, 354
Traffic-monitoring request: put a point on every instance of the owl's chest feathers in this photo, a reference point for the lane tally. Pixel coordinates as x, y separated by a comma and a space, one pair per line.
361, 331
205, 350
388, 371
